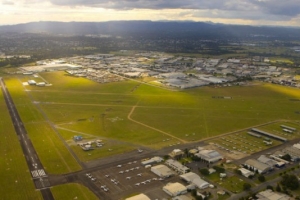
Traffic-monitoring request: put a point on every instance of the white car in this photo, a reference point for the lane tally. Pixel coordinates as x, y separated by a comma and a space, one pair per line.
139, 174
137, 184
119, 166
128, 177
121, 172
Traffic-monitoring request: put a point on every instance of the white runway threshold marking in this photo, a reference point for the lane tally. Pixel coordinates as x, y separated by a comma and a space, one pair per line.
38, 173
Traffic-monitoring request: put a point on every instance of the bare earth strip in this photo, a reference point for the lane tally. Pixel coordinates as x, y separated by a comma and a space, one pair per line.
129, 117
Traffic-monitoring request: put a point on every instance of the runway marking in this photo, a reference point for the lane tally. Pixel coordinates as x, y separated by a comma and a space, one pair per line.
38, 173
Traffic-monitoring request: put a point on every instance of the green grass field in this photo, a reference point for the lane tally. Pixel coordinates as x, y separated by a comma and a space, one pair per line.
232, 183
15, 177
72, 191
129, 115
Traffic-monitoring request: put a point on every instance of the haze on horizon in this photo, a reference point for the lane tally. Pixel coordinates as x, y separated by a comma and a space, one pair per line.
248, 12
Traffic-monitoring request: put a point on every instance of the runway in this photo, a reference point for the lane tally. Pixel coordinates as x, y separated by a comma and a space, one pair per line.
39, 175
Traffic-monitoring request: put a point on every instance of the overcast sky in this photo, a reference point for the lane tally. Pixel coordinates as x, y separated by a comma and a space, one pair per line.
254, 12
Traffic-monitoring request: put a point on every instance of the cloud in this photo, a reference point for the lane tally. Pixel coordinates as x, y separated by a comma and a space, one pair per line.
274, 7
279, 7
7, 3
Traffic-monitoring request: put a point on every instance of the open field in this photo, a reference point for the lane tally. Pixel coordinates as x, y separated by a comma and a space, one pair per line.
53, 154
72, 191
15, 177
130, 115
232, 183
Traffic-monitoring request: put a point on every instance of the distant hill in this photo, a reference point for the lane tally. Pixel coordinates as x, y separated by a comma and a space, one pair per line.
154, 29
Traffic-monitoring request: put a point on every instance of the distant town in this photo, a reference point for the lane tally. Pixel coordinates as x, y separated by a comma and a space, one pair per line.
170, 71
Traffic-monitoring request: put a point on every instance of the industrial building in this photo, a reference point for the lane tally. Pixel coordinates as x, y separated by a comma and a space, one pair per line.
162, 171
177, 166
193, 178
175, 189
50, 67
270, 195
209, 155
139, 197
259, 166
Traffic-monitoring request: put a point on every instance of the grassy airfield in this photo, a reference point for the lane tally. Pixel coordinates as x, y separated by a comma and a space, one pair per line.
128, 115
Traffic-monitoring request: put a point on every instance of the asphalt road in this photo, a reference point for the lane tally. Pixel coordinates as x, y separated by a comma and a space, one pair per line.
39, 176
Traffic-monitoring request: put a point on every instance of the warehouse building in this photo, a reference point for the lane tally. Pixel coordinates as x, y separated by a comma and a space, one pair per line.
175, 189
193, 178
209, 155
256, 165
162, 171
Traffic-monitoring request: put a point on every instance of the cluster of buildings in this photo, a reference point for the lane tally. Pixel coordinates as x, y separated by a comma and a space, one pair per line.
173, 71
172, 167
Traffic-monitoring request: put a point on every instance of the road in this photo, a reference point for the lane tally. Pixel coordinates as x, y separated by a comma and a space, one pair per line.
39, 176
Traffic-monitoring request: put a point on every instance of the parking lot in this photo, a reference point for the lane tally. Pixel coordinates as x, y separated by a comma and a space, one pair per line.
126, 179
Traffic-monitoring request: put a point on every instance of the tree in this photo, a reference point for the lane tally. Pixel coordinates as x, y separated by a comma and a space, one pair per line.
270, 187
204, 171
238, 172
261, 178
278, 188
246, 186
219, 169
290, 181
199, 198
194, 193
287, 157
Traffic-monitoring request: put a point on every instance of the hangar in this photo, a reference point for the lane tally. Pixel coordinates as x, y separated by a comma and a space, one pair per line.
162, 171
175, 189
209, 155
193, 178
256, 165
139, 197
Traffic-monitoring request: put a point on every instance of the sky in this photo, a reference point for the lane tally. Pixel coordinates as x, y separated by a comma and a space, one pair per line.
249, 12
